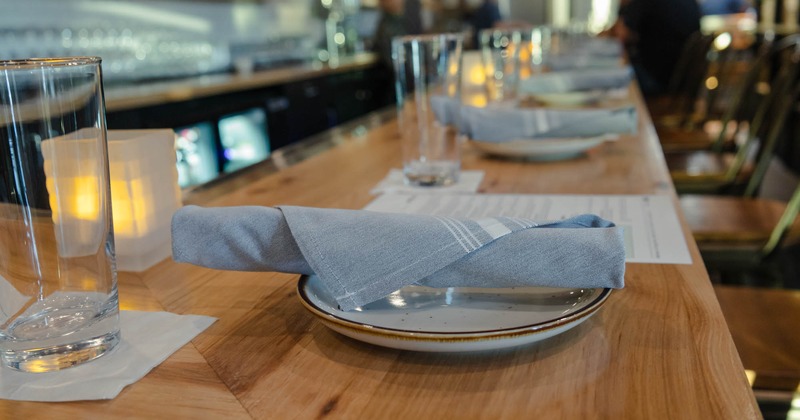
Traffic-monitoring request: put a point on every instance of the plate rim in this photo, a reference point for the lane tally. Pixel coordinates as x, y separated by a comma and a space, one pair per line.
548, 147
461, 336
547, 140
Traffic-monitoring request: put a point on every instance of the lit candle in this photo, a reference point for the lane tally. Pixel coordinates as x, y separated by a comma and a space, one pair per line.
144, 194
76, 194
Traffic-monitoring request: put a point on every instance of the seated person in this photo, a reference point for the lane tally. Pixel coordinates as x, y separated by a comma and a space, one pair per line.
392, 23
723, 7
485, 16
654, 33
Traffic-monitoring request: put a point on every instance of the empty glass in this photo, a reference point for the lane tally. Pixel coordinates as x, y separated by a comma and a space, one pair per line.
509, 56
428, 88
58, 290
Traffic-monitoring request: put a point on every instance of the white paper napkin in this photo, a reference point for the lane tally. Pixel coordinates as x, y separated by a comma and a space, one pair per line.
468, 182
148, 338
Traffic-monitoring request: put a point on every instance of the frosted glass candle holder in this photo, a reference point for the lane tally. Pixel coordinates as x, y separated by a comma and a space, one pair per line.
144, 195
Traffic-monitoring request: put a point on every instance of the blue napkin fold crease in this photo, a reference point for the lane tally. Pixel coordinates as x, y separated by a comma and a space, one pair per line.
505, 124
577, 80
362, 256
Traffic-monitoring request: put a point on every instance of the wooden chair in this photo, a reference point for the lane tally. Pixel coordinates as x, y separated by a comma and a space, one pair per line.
736, 233
717, 171
726, 74
744, 232
718, 62
740, 233
717, 131
684, 86
764, 325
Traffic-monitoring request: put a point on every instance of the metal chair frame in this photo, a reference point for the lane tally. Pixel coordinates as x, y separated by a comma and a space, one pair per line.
765, 126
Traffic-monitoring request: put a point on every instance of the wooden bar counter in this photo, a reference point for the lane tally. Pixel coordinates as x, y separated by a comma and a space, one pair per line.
119, 98
659, 348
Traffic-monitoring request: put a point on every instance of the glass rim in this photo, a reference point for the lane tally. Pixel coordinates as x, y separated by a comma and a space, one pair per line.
524, 33
31, 63
505, 30
428, 37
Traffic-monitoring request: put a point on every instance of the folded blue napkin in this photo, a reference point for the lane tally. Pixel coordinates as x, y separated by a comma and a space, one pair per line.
601, 47
580, 61
570, 81
362, 256
498, 124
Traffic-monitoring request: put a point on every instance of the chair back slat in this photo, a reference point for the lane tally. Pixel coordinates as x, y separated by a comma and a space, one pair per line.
746, 99
782, 228
770, 142
749, 98
690, 72
771, 113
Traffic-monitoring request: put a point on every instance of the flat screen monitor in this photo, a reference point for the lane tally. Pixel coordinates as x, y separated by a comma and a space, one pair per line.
244, 139
196, 154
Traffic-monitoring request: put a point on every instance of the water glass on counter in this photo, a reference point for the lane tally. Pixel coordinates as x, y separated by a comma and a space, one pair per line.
428, 88
508, 56
58, 290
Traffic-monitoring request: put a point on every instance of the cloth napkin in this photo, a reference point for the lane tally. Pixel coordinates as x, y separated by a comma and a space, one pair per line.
498, 124
583, 60
601, 47
569, 81
147, 339
362, 256
506, 121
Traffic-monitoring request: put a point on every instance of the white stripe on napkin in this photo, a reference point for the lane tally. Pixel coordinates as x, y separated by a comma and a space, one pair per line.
461, 240
493, 227
469, 232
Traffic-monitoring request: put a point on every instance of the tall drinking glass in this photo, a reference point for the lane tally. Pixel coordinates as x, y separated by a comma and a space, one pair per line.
500, 54
58, 290
508, 55
428, 88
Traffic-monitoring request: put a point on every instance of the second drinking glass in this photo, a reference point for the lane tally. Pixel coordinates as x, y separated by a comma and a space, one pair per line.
428, 88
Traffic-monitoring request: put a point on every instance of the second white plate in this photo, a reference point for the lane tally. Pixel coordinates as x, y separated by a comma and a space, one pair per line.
456, 319
541, 149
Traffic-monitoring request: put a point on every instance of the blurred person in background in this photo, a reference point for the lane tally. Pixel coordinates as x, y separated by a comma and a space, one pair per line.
465, 16
654, 33
412, 12
398, 18
485, 16
392, 23
723, 7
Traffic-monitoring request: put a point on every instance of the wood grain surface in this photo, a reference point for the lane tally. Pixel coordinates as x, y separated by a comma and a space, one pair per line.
659, 348
139, 95
763, 323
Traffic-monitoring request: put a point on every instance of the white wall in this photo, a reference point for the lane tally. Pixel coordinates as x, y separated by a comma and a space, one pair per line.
531, 11
540, 12
151, 38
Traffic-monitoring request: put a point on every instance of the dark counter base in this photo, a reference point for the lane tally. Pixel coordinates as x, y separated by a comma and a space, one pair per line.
294, 110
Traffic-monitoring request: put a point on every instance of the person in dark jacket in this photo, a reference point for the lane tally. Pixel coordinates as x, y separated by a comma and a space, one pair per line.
485, 16
654, 33
392, 23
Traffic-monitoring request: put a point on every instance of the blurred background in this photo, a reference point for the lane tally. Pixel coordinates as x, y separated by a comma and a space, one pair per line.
142, 40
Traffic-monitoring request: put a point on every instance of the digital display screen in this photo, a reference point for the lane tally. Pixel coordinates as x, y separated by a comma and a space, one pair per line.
244, 139
196, 152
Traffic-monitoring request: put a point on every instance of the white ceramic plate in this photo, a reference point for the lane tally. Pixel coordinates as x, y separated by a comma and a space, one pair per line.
540, 149
456, 319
